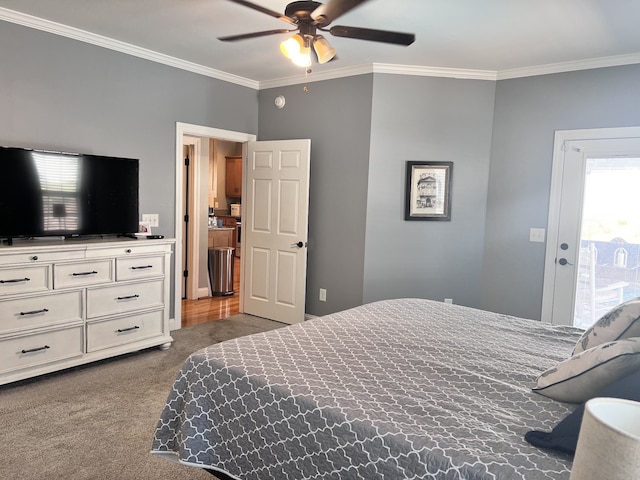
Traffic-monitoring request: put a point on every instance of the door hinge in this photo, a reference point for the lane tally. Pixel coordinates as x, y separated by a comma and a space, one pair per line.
186, 161
185, 274
186, 218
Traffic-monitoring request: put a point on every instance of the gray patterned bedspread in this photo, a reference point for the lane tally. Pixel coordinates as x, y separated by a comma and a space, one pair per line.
396, 389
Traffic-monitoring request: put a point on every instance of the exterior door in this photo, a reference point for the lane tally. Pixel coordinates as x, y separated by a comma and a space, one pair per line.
594, 225
274, 226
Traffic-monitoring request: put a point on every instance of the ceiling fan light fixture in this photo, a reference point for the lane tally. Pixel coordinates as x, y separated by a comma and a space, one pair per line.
292, 46
323, 49
303, 59
296, 50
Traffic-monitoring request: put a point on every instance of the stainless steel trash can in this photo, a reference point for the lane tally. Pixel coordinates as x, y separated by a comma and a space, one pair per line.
221, 270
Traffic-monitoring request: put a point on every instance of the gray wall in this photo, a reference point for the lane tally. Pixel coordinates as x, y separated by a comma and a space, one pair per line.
336, 116
528, 111
363, 130
61, 94
427, 119
499, 136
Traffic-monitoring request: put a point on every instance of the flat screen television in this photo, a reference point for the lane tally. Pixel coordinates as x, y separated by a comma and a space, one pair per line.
45, 193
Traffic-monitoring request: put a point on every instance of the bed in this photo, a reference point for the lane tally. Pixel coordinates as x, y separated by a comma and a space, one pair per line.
395, 389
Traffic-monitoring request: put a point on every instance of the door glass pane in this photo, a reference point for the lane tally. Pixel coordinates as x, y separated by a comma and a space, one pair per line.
608, 263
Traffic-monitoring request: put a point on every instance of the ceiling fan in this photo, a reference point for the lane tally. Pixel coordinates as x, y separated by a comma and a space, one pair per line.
310, 17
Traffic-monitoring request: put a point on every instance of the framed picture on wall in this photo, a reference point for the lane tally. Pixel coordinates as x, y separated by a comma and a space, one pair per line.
428, 191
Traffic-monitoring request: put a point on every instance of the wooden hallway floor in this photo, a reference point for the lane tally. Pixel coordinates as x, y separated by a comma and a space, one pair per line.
208, 309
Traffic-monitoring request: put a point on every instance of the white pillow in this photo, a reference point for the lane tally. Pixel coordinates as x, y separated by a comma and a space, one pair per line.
579, 378
622, 321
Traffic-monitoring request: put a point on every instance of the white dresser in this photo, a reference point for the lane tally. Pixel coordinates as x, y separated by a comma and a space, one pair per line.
68, 302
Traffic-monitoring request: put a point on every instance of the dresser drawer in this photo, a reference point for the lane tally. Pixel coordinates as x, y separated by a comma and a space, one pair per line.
25, 313
40, 255
128, 297
129, 268
25, 279
122, 330
40, 348
129, 248
81, 274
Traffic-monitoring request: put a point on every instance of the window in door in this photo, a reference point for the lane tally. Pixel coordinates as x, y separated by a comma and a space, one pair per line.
609, 255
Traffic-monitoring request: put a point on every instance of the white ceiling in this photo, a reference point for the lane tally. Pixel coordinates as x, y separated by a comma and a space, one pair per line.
475, 38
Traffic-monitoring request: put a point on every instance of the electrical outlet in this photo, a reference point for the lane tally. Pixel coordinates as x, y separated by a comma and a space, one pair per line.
152, 218
323, 294
448, 300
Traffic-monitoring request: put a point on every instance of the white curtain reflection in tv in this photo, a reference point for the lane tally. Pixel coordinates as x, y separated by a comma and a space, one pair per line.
59, 179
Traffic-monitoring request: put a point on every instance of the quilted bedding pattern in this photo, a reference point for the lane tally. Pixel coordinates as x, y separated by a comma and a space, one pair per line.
396, 389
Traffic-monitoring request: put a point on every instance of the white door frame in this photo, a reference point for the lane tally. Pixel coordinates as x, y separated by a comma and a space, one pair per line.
561, 137
195, 210
182, 130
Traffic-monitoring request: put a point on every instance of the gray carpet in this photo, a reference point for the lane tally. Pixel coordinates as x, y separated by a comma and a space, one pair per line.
97, 421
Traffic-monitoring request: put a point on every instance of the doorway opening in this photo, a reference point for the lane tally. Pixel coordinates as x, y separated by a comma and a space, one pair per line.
198, 213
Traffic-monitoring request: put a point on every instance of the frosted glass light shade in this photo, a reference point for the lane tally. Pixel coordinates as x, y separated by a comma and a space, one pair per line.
292, 46
294, 49
324, 50
609, 441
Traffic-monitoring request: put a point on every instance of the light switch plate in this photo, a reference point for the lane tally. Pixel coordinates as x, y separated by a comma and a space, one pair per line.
152, 218
537, 235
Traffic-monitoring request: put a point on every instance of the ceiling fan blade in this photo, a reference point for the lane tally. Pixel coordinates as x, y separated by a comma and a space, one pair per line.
271, 13
328, 12
244, 36
385, 36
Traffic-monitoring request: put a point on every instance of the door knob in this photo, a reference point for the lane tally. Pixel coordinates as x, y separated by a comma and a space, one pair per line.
564, 261
299, 244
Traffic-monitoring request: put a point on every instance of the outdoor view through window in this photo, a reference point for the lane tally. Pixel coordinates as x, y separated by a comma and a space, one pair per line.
609, 258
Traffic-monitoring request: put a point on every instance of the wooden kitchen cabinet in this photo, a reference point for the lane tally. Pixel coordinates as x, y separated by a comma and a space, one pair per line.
230, 222
221, 237
233, 180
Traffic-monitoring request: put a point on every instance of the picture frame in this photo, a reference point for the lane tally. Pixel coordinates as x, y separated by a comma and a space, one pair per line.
144, 229
428, 190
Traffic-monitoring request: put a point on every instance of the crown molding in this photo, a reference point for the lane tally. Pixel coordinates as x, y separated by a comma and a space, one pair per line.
123, 47
317, 77
425, 71
381, 68
590, 63
434, 71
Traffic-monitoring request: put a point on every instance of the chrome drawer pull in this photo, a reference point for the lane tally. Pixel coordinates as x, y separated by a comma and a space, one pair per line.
84, 273
36, 349
121, 330
129, 297
16, 280
141, 267
35, 312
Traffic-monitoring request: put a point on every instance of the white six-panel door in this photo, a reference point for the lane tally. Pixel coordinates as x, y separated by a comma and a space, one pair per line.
275, 223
